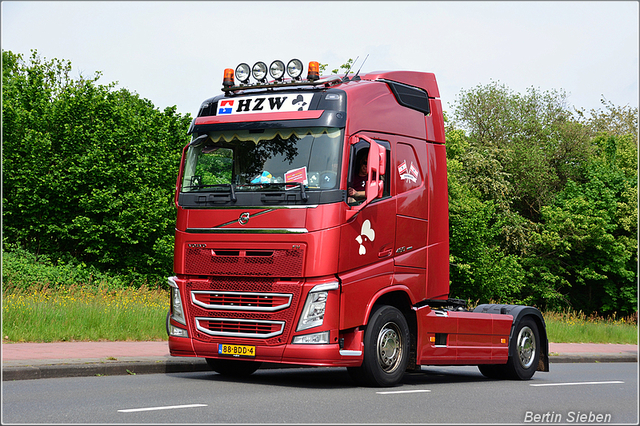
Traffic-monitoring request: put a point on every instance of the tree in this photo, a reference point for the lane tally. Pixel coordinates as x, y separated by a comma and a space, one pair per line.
88, 171
529, 145
588, 243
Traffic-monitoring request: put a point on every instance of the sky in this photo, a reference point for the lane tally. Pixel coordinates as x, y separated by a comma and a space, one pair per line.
174, 52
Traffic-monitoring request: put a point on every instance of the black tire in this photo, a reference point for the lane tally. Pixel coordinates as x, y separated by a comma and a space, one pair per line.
386, 349
232, 367
524, 349
493, 371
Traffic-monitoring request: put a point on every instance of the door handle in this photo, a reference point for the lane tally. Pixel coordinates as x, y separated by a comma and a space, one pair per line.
385, 253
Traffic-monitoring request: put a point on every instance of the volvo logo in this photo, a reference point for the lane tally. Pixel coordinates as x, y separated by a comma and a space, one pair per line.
244, 218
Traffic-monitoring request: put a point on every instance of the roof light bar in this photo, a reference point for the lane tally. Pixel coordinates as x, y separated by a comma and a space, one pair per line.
276, 70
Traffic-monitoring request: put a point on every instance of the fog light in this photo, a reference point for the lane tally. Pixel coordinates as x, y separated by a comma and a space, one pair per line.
177, 331
312, 339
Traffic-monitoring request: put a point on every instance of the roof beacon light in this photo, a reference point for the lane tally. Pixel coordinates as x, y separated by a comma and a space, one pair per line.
294, 68
243, 72
227, 81
259, 71
276, 69
314, 71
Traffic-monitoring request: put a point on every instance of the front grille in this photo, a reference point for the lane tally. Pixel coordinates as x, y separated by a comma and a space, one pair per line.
241, 301
239, 328
261, 310
255, 263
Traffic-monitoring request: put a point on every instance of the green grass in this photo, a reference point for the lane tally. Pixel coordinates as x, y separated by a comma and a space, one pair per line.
576, 327
41, 314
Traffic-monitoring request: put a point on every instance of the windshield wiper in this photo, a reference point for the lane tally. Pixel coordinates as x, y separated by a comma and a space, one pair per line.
218, 185
303, 193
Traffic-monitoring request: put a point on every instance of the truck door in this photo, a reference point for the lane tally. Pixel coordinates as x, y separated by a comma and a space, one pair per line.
412, 215
367, 241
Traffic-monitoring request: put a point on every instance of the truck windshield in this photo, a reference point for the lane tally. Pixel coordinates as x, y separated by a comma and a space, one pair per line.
256, 160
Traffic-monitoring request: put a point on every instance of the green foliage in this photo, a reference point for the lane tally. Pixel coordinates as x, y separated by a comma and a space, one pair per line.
543, 203
88, 171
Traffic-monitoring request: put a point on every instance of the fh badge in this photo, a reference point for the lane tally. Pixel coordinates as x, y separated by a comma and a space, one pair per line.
366, 232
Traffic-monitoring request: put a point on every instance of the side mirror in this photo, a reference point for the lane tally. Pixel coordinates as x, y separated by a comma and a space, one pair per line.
376, 164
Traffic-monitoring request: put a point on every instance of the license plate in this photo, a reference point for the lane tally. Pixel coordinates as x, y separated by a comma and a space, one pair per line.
237, 350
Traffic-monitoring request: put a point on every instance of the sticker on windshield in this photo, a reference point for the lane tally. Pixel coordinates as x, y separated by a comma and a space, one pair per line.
264, 103
296, 175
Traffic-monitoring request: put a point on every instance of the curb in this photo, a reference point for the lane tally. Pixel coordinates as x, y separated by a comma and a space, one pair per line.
28, 372
190, 365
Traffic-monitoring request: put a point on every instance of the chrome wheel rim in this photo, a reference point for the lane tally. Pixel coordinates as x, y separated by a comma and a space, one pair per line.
389, 347
526, 347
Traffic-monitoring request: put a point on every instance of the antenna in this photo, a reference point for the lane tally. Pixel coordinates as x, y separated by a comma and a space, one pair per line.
346, 75
355, 77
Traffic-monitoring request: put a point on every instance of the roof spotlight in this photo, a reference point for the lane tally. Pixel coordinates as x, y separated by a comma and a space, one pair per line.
243, 72
294, 68
276, 69
259, 71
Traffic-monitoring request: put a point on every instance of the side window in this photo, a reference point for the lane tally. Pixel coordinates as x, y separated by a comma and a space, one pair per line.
358, 172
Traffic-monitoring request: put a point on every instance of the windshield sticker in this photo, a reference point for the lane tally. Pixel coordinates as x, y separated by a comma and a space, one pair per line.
409, 175
296, 175
368, 233
259, 104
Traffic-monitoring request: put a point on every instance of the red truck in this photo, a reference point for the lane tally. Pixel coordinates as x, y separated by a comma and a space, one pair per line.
312, 229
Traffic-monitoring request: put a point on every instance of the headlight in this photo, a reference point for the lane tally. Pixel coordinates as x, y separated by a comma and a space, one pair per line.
294, 68
177, 312
276, 69
314, 306
259, 71
243, 72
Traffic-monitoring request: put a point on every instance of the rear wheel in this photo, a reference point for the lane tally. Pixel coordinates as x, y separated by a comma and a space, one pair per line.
386, 349
232, 367
524, 350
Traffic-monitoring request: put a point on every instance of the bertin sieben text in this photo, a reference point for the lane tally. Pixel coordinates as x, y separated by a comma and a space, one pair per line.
570, 417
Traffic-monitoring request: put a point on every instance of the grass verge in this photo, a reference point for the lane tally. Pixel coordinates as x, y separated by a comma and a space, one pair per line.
84, 313
576, 327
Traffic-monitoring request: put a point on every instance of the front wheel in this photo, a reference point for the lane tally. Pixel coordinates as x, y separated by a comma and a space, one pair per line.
386, 349
233, 368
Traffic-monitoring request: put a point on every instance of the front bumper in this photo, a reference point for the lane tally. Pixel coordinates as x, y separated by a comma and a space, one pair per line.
327, 355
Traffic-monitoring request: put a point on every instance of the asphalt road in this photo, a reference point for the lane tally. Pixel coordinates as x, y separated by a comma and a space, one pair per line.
569, 393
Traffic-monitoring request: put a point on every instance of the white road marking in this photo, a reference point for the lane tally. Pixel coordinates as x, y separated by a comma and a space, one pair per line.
168, 407
406, 391
578, 383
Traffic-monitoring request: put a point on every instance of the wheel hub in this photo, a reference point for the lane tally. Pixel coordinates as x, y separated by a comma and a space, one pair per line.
526, 347
389, 347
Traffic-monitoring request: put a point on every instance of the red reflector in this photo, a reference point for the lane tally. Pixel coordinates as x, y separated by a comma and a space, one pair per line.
228, 78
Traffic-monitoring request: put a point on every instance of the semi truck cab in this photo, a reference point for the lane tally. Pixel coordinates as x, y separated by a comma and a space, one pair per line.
312, 229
